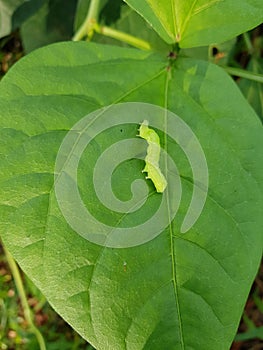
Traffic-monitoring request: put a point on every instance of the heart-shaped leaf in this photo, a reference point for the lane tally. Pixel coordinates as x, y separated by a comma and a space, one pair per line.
199, 22
175, 290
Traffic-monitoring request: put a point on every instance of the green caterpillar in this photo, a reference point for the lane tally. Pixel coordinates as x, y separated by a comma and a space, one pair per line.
152, 157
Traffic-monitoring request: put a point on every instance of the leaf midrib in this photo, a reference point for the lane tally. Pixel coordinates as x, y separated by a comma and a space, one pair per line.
172, 252
193, 12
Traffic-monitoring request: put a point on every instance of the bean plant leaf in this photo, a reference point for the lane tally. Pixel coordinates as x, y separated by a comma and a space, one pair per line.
174, 291
7, 9
25, 11
111, 12
52, 22
199, 22
219, 54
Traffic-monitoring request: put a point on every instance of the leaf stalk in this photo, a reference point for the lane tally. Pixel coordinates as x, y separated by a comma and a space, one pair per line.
21, 292
87, 28
91, 25
244, 74
124, 37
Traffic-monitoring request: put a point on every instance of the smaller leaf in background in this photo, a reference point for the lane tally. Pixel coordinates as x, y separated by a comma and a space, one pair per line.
256, 332
61, 17
221, 53
198, 23
7, 8
253, 91
25, 11
258, 300
81, 13
51, 23
111, 12
216, 53
34, 33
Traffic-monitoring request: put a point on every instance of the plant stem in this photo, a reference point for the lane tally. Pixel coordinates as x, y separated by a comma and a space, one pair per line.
248, 43
87, 28
22, 295
124, 37
91, 24
244, 74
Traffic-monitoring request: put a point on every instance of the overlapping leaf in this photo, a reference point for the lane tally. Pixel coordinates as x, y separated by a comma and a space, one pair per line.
199, 22
175, 291
7, 8
52, 22
14, 12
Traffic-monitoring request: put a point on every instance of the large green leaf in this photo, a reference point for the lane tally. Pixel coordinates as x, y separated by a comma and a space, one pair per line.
175, 291
199, 22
